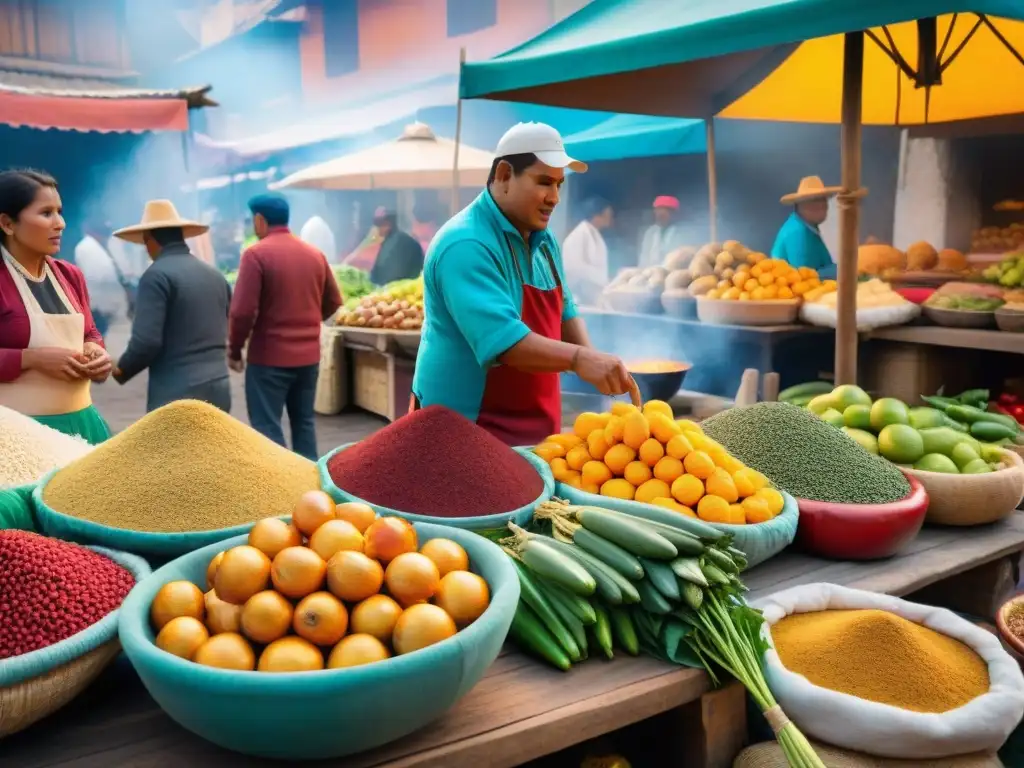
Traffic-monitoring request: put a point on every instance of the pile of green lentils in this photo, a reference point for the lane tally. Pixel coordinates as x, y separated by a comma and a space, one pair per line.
805, 456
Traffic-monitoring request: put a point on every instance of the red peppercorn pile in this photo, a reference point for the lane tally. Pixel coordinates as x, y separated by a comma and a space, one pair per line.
51, 589
436, 462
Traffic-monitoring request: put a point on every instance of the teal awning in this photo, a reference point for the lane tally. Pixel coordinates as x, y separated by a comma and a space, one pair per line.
693, 58
626, 136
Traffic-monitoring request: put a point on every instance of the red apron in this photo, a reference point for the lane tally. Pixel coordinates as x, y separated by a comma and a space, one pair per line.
521, 408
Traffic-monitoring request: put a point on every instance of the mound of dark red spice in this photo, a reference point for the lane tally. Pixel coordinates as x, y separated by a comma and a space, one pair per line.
436, 462
51, 590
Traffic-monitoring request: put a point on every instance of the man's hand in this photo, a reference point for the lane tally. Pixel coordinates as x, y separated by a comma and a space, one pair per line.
238, 366
605, 372
57, 363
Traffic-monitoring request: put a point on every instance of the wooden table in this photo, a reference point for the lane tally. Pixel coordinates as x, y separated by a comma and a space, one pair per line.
521, 710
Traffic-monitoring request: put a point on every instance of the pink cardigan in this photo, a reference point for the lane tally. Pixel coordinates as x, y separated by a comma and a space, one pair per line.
14, 323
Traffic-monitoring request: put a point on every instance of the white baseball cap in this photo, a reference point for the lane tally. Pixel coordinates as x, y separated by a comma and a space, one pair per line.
540, 140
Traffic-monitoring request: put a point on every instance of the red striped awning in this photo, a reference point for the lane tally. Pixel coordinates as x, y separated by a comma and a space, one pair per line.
103, 114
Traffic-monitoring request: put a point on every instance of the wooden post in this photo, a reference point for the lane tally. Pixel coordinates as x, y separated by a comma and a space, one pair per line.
458, 136
709, 127
846, 310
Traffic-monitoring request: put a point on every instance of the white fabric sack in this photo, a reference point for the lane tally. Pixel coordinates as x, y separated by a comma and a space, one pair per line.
868, 318
982, 724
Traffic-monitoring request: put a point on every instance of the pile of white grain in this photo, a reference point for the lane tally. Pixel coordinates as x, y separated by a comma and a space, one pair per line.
28, 450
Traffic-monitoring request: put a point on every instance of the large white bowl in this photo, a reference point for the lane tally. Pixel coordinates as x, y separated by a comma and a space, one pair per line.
726, 312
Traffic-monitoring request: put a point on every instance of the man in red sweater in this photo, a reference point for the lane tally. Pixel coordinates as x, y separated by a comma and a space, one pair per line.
285, 290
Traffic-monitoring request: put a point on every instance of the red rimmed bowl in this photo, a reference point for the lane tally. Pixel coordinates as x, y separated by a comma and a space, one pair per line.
1011, 642
861, 531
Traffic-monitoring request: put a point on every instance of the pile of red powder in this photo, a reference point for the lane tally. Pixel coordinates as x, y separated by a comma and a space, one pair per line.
51, 590
436, 462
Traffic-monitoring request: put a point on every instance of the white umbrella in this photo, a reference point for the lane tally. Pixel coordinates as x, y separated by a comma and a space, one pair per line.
416, 160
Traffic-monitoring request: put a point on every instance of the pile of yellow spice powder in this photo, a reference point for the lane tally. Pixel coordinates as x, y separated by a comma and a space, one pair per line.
185, 467
881, 657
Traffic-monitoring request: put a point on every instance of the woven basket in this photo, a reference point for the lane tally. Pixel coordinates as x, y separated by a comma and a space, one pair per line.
973, 499
37, 684
331, 384
769, 755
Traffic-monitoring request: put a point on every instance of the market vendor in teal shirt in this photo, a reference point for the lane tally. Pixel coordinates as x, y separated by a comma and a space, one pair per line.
501, 324
799, 240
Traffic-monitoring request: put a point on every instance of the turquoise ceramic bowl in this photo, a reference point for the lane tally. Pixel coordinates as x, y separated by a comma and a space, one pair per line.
479, 523
163, 545
758, 542
328, 714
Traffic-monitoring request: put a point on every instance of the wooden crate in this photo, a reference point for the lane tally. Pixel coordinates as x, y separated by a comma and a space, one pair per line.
381, 382
906, 370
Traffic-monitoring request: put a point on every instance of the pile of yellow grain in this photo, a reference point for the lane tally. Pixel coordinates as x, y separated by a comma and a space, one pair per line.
185, 467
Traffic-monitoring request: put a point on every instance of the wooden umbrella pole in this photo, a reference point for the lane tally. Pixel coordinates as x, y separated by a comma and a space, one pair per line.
849, 202
709, 127
458, 136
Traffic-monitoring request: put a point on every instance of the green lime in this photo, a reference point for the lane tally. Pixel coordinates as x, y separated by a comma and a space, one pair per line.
936, 462
943, 440
857, 416
832, 416
867, 441
888, 411
976, 467
821, 403
846, 395
990, 453
900, 444
923, 418
964, 454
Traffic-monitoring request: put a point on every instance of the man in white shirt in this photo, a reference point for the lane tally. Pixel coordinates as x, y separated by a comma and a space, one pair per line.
107, 297
585, 253
664, 235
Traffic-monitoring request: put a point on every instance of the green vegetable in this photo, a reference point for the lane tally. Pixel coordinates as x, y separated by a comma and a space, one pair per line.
603, 632
693, 595
991, 431
662, 577
580, 606
608, 553
685, 543
538, 602
632, 536
530, 635
688, 569
939, 402
548, 562
568, 618
806, 390
651, 599
975, 397
652, 514
804, 456
714, 574
609, 582
969, 415
721, 560
623, 630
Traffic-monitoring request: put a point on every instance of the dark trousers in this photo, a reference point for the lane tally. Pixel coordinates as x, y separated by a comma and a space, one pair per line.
270, 390
217, 393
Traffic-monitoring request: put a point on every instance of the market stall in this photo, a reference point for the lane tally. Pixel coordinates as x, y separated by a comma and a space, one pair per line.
647, 559
627, 54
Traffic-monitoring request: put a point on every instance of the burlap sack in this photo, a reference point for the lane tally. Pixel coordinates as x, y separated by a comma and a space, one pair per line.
769, 755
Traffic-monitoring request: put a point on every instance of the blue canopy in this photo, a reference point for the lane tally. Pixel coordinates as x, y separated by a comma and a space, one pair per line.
695, 58
626, 136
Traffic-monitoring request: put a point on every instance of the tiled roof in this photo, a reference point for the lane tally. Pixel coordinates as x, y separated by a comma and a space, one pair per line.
52, 85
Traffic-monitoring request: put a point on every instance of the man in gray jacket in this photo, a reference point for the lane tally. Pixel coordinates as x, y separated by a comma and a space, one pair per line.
181, 316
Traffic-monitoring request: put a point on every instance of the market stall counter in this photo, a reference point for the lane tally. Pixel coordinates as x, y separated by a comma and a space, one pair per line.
718, 353
522, 710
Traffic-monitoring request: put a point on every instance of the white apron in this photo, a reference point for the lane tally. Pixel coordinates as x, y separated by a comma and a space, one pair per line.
34, 393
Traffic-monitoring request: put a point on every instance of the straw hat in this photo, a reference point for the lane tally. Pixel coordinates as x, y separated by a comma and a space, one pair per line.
811, 188
160, 214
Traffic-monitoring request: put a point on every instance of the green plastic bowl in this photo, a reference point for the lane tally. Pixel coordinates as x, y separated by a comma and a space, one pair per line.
478, 523
758, 542
328, 714
161, 545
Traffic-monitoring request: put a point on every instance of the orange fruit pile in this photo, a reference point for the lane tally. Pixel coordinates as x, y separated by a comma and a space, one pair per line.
335, 587
767, 280
651, 457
